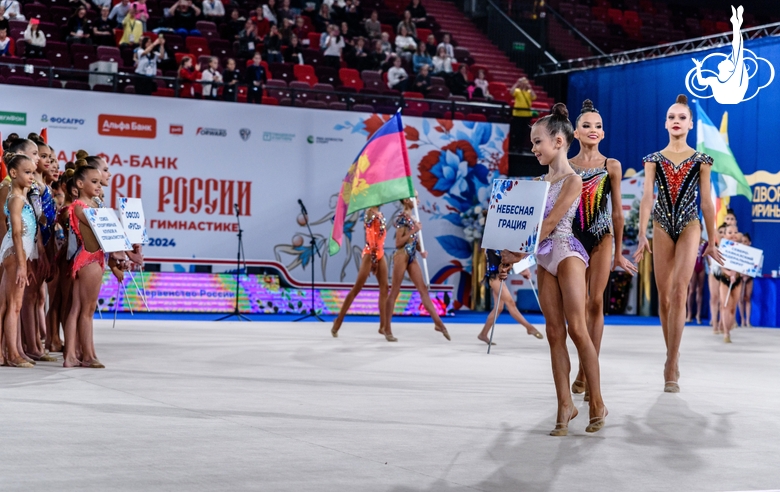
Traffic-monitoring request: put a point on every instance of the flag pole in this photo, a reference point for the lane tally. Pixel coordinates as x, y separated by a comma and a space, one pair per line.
422, 245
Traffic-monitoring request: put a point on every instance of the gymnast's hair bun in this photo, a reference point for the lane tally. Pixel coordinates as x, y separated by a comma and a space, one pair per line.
559, 111
587, 107
682, 99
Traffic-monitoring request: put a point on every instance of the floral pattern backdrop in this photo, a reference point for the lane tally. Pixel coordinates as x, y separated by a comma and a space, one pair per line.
454, 164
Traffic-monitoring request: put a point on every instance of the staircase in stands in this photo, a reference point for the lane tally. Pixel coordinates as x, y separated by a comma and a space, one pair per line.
484, 52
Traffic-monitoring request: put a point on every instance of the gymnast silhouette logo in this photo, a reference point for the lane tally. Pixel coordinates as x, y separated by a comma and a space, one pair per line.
731, 82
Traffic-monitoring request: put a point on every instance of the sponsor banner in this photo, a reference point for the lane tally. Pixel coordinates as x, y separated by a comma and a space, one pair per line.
11, 118
190, 183
741, 258
108, 230
211, 132
515, 215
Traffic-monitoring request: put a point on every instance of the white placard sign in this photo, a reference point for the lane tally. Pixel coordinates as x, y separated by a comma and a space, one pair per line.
740, 258
515, 215
524, 264
108, 230
131, 214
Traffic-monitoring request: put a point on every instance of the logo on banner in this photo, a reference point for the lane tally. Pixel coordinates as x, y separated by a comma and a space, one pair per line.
176, 130
10, 118
71, 123
245, 133
323, 140
729, 84
127, 126
284, 137
765, 206
211, 132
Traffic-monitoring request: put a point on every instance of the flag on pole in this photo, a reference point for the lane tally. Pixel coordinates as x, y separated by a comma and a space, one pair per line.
727, 177
380, 174
45, 135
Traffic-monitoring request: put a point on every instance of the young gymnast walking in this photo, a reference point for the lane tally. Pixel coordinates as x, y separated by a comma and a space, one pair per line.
561, 265
696, 286
745, 305
713, 270
594, 225
405, 260
87, 271
683, 178
493, 278
373, 261
17, 246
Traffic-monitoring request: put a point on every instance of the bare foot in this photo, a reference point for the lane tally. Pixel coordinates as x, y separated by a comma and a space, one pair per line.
485, 339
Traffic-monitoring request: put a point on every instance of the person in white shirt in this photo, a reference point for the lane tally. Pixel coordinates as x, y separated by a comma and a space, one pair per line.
34, 39
269, 11
397, 78
213, 10
334, 43
12, 10
405, 45
211, 75
447, 46
442, 63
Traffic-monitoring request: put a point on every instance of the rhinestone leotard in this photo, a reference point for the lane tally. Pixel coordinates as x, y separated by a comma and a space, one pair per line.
29, 229
50, 212
593, 221
375, 236
83, 257
493, 257
404, 220
678, 191
562, 243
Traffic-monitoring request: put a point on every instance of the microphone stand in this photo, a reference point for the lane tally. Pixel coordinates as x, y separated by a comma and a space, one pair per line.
314, 248
236, 312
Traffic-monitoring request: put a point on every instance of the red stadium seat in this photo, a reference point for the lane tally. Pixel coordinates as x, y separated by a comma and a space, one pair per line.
351, 78
305, 73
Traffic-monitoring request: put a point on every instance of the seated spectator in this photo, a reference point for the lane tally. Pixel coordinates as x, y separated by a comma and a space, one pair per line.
421, 58
76, 3
286, 31
230, 78
256, 78
377, 58
411, 29
459, 83
214, 10
4, 24
133, 30
405, 45
262, 24
269, 12
236, 24
99, 4
147, 55
387, 47
445, 42
294, 52
34, 39
5, 43
345, 32
211, 91
188, 73
356, 55
419, 15
273, 46
119, 11
141, 13
481, 87
248, 40
183, 16
79, 29
372, 26
12, 10
353, 15
397, 78
442, 63
103, 29
431, 46
334, 43
302, 31
322, 20
285, 12
422, 82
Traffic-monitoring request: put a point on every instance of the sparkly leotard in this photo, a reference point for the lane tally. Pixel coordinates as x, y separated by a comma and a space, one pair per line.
83, 257
593, 220
404, 220
493, 257
375, 236
29, 228
50, 212
562, 243
678, 191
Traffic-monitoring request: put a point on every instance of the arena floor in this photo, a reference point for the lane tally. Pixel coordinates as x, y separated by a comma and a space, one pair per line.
278, 406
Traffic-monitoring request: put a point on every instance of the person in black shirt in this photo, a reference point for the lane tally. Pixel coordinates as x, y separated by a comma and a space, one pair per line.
294, 53
256, 79
235, 24
247, 40
423, 80
418, 13
230, 78
79, 28
184, 16
273, 46
103, 29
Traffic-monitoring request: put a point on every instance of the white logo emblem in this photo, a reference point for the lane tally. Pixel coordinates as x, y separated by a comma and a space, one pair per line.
730, 83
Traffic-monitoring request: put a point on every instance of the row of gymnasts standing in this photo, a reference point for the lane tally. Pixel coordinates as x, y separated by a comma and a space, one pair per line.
49, 252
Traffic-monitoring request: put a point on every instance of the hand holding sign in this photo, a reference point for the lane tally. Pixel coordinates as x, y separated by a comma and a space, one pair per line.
131, 213
740, 258
108, 230
515, 215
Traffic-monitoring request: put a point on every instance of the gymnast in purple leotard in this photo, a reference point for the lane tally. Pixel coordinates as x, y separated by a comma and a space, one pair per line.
562, 261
